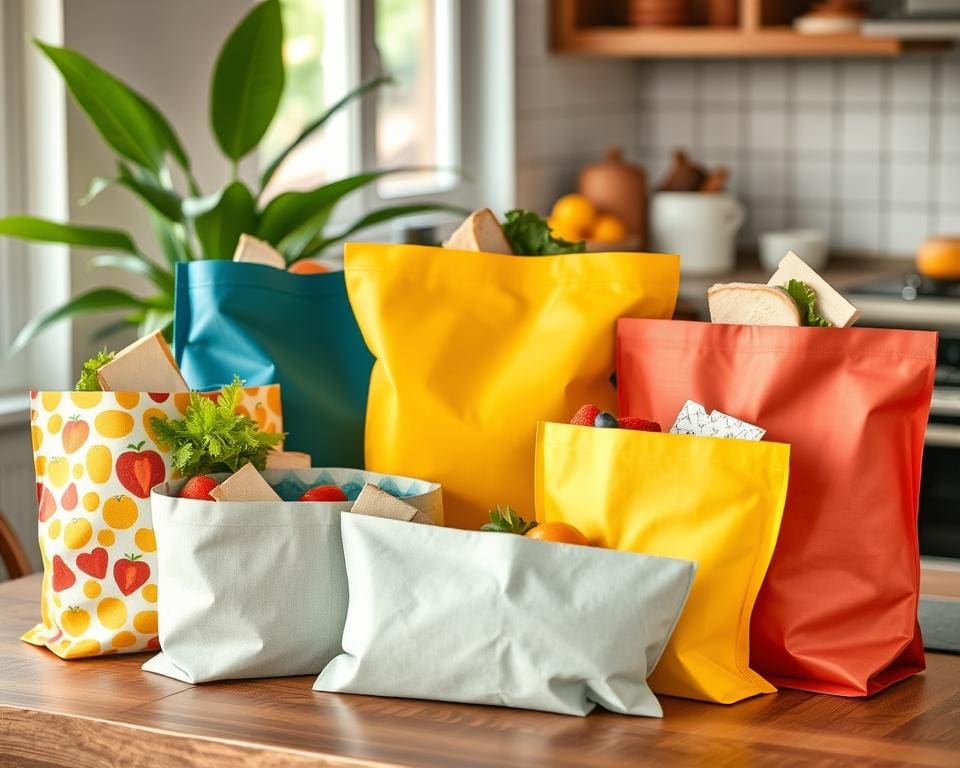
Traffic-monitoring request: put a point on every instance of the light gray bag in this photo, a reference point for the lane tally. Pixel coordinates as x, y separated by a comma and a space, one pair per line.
496, 618
258, 589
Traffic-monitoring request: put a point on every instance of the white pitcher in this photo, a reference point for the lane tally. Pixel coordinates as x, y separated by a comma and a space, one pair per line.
699, 226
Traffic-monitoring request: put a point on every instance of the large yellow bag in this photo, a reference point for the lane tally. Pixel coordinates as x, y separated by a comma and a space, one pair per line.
472, 349
716, 501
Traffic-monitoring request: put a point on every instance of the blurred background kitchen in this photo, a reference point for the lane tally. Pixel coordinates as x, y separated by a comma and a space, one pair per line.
831, 127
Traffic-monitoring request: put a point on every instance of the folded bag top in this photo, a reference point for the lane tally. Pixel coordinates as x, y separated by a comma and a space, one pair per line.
258, 589
269, 325
712, 500
473, 348
496, 618
837, 612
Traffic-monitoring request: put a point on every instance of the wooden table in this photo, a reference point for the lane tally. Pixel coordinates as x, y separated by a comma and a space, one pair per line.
107, 711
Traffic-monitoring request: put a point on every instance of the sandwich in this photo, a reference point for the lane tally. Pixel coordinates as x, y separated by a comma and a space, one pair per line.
480, 231
795, 295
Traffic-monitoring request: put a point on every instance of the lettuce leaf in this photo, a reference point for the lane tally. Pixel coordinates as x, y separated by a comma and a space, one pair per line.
806, 300
529, 235
88, 381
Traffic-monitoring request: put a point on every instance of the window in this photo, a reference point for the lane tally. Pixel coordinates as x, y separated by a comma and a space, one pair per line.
333, 45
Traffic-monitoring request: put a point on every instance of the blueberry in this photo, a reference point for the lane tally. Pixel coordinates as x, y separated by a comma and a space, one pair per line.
605, 419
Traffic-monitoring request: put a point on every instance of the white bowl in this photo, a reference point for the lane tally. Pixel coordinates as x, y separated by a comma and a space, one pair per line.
809, 244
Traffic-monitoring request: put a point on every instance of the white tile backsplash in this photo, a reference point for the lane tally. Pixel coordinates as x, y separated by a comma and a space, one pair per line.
908, 183
867, 150
909, 132
860, 130
861, 82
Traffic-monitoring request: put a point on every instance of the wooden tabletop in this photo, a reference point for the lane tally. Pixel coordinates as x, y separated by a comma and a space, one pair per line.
106, 711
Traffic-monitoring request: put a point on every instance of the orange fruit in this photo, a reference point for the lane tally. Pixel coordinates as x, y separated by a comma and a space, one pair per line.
120, 511
573, 212
564, 231
939, 258
75, 621
306, 267
561, 532
608, 228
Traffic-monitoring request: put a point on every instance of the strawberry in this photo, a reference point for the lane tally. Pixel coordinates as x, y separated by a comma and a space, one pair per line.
130, 573
93, 563
75, 434
158, 397
324, 493
585, 416
140, 470
643, 425
199, 488
63, 577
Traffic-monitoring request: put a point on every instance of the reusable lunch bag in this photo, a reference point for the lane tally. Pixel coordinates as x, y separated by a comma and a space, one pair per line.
838, 610
258, 589
96, 460
509, 621
717, 502
473, 348
269, 325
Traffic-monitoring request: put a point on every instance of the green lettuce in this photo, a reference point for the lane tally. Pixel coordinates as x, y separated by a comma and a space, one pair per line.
806, 300
529, 235
88, 381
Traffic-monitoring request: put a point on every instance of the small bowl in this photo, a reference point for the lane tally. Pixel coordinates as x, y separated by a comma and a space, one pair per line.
809, 244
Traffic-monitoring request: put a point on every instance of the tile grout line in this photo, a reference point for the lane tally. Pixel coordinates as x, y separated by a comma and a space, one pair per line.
884, 159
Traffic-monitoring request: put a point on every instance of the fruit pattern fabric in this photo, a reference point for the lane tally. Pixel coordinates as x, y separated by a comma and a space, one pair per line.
96, 460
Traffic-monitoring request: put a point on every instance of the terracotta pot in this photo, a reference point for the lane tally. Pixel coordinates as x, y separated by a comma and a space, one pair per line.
618, 187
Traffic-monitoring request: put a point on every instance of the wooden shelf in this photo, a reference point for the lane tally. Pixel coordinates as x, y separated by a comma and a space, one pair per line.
751, 39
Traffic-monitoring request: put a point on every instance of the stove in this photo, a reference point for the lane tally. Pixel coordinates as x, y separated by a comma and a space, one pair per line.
909, 301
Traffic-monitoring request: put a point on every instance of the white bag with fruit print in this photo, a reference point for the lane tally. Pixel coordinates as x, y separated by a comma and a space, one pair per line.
96, 461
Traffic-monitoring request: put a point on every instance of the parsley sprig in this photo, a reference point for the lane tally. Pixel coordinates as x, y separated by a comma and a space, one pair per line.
214, 437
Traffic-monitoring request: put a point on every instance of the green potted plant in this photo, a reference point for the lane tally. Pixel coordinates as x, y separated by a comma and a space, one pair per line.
245, 91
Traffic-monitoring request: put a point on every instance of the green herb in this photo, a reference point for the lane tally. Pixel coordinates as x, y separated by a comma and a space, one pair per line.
529, 235
505, 520
213, 437
806, 300
88, 381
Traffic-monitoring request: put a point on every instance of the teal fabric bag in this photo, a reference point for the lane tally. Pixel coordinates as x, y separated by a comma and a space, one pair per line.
271, 326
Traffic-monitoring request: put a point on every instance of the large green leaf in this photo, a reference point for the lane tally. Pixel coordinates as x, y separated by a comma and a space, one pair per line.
97, 300
166, 133
310, 210
248, 81
171, 237
162, 200
116, 111
357, 92
319, 243
161, 278
219, 228
43, 230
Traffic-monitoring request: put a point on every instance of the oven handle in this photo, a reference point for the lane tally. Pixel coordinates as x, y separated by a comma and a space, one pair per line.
942, 436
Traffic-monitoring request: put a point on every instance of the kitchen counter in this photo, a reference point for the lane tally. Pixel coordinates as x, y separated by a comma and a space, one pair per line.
106, 711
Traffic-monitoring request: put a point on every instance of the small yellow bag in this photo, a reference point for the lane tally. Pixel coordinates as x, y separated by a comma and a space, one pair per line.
472, 349
716, 501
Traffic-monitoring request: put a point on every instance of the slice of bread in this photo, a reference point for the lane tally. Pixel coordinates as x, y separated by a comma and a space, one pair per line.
147, 365
480, 231
751, 304
246, 484
254, 251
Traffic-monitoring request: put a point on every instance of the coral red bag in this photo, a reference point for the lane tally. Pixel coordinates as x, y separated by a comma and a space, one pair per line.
838, 610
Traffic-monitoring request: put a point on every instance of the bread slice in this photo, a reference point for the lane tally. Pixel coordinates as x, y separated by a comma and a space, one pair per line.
254, 251
288, 460
147, 365
830, 304
751, 304
480, 231
246, 484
